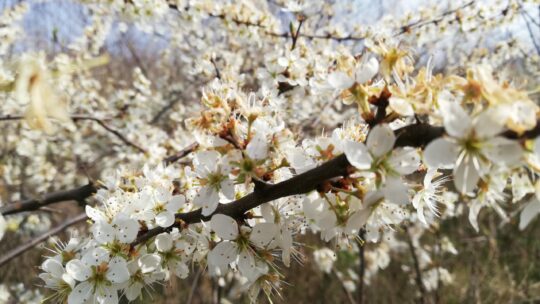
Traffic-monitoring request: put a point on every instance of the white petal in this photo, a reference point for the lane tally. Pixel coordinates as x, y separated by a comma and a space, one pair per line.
358, 155
126, 229
95, 256
380, 140
134, 291
466, 176
263, 234
208, 198
149, 262
80, 294
395, 191
404, 160
221, 256
441, 153
3, 226
205, 162
162, 195
224, 226
257, 147
529, 213
457, 122
246, 265
103, 232
521, 186
118, 271
401, 106
95, 214
78, 270
473, 214
340, 80
367, 70
286, 243
503, 151
227, 188
357, 221
107, 295
165, 219
488, 123
176, 203
53, 267
267, 212
164, 242
181, 270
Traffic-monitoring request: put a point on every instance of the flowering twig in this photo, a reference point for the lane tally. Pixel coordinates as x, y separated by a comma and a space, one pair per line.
26, 246
415, 135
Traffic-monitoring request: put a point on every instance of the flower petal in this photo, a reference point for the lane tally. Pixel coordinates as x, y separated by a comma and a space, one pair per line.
529, 213
340, 81
165, 219
504, 151
263, 234
380, 140
457, 122
358, 155
367, 70
466, 176
441, 153
78, 270
224, 226
404, 160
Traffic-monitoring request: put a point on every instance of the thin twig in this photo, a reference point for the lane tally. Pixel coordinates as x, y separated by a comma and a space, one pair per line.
181, 154
99, 121
295, 35
362, 270
421, 23
194, 285
26, 246
120, 136
417, 270
216, 69
173, 101
531, 34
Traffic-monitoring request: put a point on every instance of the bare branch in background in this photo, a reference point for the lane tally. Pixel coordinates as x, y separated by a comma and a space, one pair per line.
77, 194
99, 121
36, 241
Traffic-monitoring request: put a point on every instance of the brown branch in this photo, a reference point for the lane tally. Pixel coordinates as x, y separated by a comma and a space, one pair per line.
26, 246
415, 135
181, 154
77, 194
295, 35
216, 69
